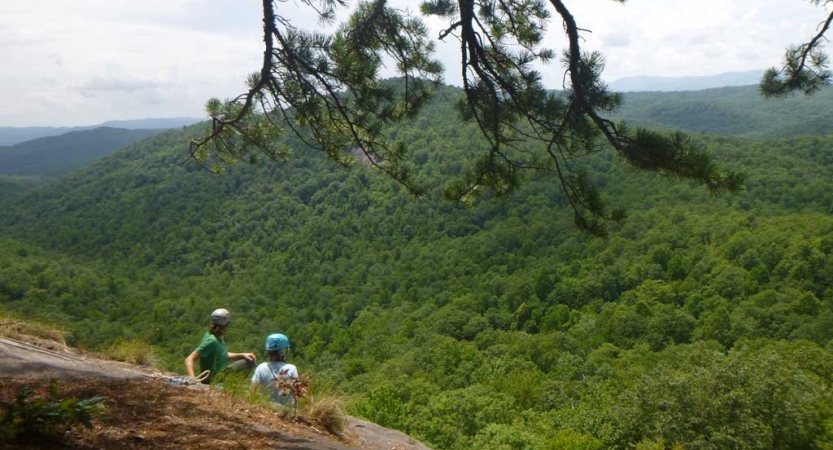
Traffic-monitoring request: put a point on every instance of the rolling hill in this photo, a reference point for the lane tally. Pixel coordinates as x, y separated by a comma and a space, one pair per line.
58, 155
697, 83
31, 163
735, 111
497, 325
16, 135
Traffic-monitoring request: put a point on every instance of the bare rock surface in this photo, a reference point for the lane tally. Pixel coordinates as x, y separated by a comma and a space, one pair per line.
150, 409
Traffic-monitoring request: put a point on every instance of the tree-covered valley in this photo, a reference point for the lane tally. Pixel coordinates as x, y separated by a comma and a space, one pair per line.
700, 322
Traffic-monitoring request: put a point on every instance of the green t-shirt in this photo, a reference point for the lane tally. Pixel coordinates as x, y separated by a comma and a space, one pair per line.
213, 355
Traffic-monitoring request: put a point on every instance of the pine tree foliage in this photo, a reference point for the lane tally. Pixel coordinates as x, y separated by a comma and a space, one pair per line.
805, 67
327, 90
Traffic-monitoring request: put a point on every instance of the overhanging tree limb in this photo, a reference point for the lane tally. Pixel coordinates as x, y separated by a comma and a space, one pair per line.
805, 67
326, 90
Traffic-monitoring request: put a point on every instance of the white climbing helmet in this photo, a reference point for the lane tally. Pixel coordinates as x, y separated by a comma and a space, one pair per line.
220, 317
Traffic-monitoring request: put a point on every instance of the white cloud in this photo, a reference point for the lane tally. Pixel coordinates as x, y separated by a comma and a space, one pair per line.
108, 59
88, 61
704, 37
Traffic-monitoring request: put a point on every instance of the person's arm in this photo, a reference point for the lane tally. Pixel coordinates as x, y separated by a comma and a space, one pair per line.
257, 381
251, 357
189, 363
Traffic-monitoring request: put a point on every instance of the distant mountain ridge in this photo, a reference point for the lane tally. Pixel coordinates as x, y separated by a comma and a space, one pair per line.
735, 111
53, 156
16, 135
668, 84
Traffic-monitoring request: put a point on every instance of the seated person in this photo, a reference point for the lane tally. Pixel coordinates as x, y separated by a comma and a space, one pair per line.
276, 376
212, 353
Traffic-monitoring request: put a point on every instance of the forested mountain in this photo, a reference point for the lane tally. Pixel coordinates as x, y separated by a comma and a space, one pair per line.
736, 111
16, 135
152, 123
27, 163
59, 155
696, 83
702, 321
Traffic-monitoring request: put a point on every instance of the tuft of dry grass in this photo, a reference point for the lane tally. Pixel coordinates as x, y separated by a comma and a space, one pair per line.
133, 351
14, 327
328, 411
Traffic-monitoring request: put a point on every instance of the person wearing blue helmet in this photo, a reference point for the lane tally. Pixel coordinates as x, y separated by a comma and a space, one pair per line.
274, 375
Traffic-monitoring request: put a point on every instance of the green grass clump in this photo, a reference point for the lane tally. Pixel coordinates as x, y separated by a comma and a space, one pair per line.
133, 351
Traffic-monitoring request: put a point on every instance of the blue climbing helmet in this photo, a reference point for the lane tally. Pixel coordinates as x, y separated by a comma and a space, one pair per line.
276, 342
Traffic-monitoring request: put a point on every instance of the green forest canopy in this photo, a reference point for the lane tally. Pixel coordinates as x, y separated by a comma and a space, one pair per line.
704, 321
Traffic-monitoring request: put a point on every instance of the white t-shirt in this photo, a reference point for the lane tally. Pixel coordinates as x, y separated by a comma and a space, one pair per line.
266, 374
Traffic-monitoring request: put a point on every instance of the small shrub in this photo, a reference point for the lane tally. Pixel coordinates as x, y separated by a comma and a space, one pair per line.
47, 416
297, 387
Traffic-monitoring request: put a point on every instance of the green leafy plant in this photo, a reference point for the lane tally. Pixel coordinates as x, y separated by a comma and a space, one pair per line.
384, 406
50, 416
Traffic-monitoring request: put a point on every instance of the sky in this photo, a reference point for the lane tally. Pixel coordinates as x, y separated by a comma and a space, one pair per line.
83, 62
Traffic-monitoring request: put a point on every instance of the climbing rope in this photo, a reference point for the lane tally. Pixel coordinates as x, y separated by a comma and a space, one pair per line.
185, 380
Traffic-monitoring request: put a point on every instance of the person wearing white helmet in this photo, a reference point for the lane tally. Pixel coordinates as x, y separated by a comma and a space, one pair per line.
212, 353
273, 376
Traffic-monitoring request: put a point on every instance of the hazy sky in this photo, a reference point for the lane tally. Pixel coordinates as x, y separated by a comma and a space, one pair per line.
79, 62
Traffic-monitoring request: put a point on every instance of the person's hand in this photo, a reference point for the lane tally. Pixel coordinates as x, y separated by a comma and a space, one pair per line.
250, 358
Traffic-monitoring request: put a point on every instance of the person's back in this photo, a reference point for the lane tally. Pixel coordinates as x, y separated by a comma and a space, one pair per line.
276, 376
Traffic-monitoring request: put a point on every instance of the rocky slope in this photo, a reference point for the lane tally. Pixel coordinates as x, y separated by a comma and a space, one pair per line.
145, 408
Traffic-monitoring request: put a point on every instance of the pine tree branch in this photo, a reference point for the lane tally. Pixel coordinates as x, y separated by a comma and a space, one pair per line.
575, 66
797, 68
808, 47
219, 124
449, 30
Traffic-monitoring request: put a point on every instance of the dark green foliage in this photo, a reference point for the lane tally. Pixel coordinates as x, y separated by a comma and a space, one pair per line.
47, 416
384, 406
11, 185
761, 395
